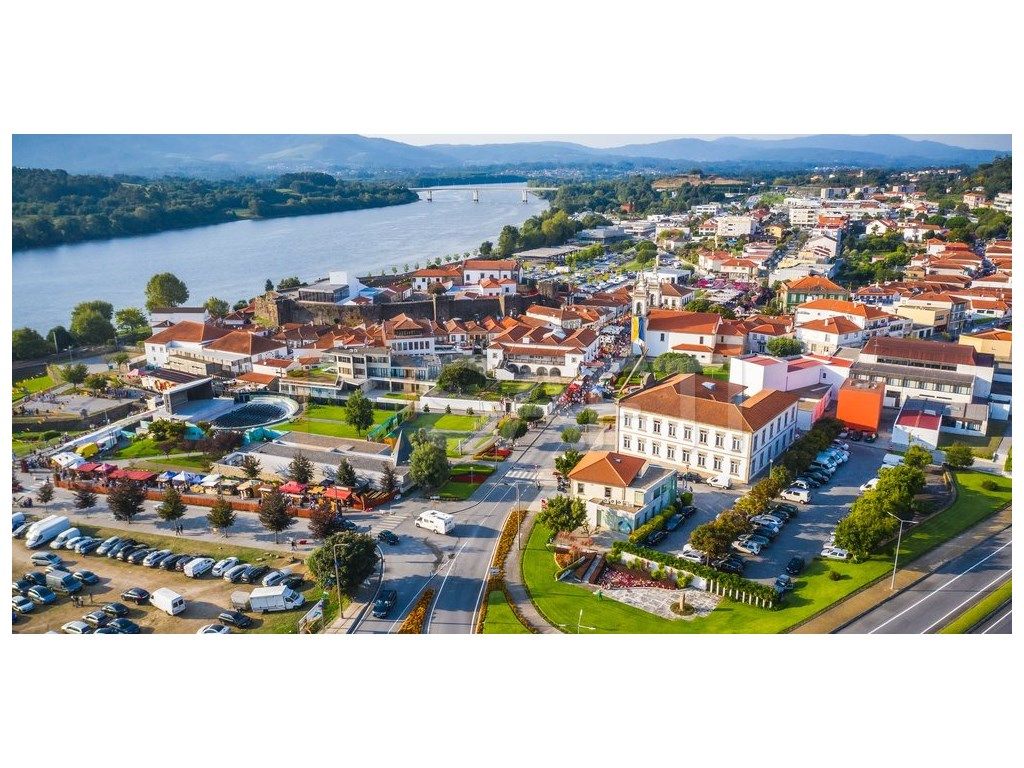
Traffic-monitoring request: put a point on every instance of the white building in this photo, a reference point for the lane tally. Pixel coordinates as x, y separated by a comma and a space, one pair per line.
735, 226
621, 492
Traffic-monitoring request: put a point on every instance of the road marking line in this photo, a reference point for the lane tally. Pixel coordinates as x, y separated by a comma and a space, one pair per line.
998, 621
451, 566
969, 599
935, 592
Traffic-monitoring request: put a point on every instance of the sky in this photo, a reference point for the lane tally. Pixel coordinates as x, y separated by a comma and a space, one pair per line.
968, 140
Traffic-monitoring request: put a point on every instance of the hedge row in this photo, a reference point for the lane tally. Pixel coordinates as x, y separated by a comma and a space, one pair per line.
413, 624
728, 580
653, 525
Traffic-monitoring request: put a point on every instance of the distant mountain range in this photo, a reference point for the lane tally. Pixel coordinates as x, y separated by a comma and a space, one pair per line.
231, 155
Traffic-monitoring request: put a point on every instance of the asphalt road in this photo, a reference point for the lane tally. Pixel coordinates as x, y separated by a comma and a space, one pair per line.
999, 623
938, 598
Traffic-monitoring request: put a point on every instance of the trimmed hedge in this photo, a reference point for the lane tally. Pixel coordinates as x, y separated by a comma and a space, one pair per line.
727, 580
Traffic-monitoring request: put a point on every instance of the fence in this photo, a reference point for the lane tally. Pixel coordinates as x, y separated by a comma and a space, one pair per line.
707, 584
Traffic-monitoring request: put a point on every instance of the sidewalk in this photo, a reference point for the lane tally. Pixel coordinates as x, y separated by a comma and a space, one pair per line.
871, 597
517, 590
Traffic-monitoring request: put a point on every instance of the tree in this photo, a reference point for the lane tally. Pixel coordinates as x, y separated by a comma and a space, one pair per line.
300, 469
586, 416
45, 493
59, 338
268, 286
165, 290
565, 463
959, 455
562, 513
388, 480
571, 435
125, 500
171, 507
486, 247
866, 527
217, 308
783, 346
530, 412
130, 320
669, 363
711, 539
512, 429
289, 283
85, 498
508, 239
251, 467
274, 514
461, 377
89, 326
74, 374
359, 411
221, 516
436, 288
322, 522
353, 556
428, 464
95, 382
917, 457
240, 304
27, 344
120, 359
346, 475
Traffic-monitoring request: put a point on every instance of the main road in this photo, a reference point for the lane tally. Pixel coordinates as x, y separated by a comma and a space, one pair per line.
941, 596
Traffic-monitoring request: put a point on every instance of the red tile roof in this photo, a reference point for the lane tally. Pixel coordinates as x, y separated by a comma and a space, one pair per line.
188, 331
607, 468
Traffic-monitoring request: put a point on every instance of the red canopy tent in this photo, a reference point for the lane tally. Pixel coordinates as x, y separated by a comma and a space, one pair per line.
293, 488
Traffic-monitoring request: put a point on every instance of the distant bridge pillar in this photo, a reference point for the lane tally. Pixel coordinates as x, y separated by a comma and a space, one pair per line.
526, 195
476, 195
430, 196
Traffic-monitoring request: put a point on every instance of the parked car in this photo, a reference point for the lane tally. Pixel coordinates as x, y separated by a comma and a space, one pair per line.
656, 538
692, 477
841, 444
806, 481
170, 563
86, 577
855, 435
274, 578
116, 610
384, 603
765, 532
222, 566
795, 566
784, 583
136, 595
870, 485
835, 553
796, 494
76, 627
125, 626
292, 581
88, 547
781, 506
139, 556
97, 619
120, 546
106, 545
673, 522
42, 595
20, 530
234, 573
730, 564
870, 437
162, 562
22, 586
154, 557
688, 511
694, 556
105, 631
181, 562
346, 525
769, 520
213, 629
388, 537
46, 558
803, 485
749, 547
253, 574
127, 553
720, 481
821, 477
22, 604
762, 541
235, 619
36, 578
72, 542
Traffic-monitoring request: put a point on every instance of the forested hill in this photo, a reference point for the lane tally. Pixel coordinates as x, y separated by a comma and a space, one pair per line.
54, 208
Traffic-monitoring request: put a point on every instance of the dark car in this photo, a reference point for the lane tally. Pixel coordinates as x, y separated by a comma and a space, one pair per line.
127, 552
811, 481
170, 561
388, 537
42, 595
768, 533
784, 583
89, 547
855, 435
345, 524
136, 595
821, 477
795, 566
161, 563
124, 626
782, 506
730, 564
253, 574
692, 477
96, 619
116, 610
235, 619
105, 631
37, 578
22, 586
294, 581
674, 522
123, 548
870, 437
688, 511
86, 577
382, 605
136, 557
656, 538
181, 562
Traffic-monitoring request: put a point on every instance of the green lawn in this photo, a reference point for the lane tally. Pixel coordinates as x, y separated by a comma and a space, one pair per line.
979, 611
716, 372
139, 449
337, 413
444, 422
560, 603
460, 491
981, 446
500, 620
496, 390
329, 420
31, 386
23, 443
180, 462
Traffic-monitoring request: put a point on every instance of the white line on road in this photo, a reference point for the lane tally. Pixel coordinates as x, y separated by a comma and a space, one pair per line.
998, 621
984, 589
451, 566
932, 594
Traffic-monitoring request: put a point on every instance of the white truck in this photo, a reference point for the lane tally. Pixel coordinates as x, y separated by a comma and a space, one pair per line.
168, 601
438, 522
279, 598
45, 530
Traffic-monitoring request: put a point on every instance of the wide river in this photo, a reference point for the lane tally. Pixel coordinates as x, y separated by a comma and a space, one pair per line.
232, 261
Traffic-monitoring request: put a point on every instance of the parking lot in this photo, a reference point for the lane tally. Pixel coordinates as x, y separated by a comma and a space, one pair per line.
803, 536
205, 597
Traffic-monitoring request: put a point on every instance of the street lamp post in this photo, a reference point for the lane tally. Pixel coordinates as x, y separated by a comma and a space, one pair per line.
519, 521
896, 556
337, 580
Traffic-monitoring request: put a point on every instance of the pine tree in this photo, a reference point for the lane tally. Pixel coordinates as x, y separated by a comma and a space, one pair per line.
346, 475
85, 498
171, 508
388, 480
300, 469
221, 516
274, 513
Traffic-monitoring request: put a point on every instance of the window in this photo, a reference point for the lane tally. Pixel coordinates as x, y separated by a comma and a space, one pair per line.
579, 487
627, 420
703, 438
671, 429
736, 444
688, 434
607, 492
734, 468
640, 423
670, 453
656, 427
719, 440
655, 449
662, 336
641, 446
684, 457
626, 442
702, 460
717, 463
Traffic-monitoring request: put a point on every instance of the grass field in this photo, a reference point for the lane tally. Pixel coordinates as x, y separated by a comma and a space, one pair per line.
500, 620
560, 603
978, 612
187, 463
981, 446
444, 422
31, 386
24, 443
330, 420
337, 413
139, 449
462, 490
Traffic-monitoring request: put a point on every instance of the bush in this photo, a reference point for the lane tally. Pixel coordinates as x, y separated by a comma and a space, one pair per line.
413, 624
686, 499
50, 434
653, 525
990, 485
834, 576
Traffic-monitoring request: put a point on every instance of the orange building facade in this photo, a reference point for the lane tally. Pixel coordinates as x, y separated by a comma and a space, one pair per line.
860, 404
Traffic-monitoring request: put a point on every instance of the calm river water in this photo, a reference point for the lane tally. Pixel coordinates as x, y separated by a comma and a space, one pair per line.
232, 261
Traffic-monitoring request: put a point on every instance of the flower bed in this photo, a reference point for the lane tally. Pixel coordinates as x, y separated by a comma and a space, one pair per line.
414, 622
615, 577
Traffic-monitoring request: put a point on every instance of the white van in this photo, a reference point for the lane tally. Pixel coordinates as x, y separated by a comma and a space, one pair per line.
198, 567
438, 522
796, 494
168, 601
62, 538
